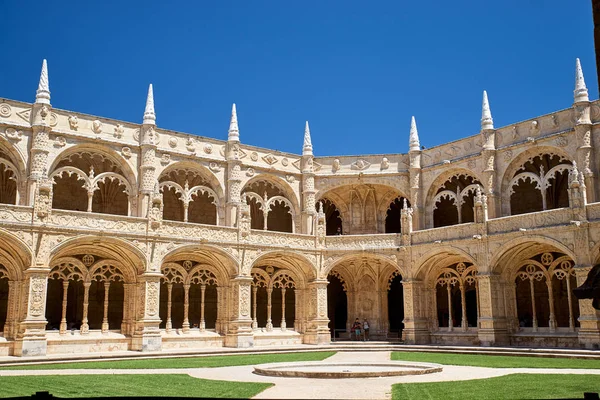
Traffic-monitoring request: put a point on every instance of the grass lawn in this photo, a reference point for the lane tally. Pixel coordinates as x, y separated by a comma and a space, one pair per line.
516, 386
480, 360
184, 362
127, 385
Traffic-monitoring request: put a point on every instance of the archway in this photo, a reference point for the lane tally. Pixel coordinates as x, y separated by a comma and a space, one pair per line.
395, 297
392, 218
333, 218
269, 208
276, 300
453, 203
188, 197
9, 176
93, 182
3, 297
543, 292
337, 304
453, 305
540, 183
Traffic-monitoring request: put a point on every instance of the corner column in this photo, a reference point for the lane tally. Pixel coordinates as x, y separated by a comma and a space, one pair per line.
493, 325
239, 332
589, 317
415, 320
317, 330
147, 336
31, 336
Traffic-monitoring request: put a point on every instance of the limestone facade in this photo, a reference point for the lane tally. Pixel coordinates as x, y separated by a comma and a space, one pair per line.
115, 235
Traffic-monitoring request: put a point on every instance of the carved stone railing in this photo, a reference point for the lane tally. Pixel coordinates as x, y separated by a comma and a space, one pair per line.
194, 232
79, 220
593, 211
445, 233
271, 238
15, 214
363, 242
559, 216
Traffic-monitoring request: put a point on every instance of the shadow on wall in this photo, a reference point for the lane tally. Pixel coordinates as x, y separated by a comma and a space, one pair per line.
590, 289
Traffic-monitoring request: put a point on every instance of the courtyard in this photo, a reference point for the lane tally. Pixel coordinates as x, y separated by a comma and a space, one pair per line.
464, 376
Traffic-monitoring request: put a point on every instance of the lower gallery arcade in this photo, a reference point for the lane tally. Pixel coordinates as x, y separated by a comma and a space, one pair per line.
96, 297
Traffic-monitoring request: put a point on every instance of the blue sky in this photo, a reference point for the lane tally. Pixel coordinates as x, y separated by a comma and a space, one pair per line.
356, 70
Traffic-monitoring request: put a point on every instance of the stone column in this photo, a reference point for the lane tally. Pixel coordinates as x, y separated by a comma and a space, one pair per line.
317, 331
105, 318
148, 153
63, 319
589, 317
493, 325
169, 324
85, 328
583, 130
31, 337
10, 327
416, 201
147, 335
239, 332
415, 313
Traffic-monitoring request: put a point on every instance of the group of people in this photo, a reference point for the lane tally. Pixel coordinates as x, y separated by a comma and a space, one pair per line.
359, 329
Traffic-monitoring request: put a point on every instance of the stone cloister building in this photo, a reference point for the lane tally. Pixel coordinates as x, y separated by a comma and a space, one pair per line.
116, 236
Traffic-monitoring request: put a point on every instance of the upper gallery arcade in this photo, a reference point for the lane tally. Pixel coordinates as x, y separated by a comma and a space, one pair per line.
144, 238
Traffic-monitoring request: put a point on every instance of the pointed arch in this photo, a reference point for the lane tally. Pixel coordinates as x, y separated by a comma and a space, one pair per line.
225, 263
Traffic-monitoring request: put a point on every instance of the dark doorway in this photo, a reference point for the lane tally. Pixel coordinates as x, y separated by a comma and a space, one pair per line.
333, 220
337, 306
396, 306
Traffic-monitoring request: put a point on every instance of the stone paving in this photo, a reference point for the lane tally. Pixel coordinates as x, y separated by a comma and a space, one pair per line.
303, 388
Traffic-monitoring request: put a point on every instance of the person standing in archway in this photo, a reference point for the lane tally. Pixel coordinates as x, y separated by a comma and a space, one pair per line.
356, 329
366, 329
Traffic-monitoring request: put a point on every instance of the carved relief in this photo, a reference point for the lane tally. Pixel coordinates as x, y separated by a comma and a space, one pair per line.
97, 126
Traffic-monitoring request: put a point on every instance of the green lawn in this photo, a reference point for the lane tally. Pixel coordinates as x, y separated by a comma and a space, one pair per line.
185, 362
516, 386
480, 360
127, 385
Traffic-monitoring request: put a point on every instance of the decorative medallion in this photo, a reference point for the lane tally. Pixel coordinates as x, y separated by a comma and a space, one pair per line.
472, 164
285, 162
562, 141
508, 154
53, 120
254, 156
87, 260
385, 163
214, 167
250, 172
173, 142
126, 152
13, 134
360, 165
119, 130
73, 122
189, 145
270, 159
136, 135
208, 148
97, 126
165, 159
5, 110
60, 141
187, 264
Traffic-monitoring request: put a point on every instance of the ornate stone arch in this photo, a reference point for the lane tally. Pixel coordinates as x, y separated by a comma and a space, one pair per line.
15, 254
432, 194
173, 273
16, 158
226, 265
446, 255
345, 277
67, 268
338, 262
516, 249
516, 164
282, 185
131, 258
205, 274
302, 268
105, 151
107, 270
213, 182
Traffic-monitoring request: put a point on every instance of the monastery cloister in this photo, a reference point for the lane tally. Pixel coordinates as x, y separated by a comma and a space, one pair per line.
119, 236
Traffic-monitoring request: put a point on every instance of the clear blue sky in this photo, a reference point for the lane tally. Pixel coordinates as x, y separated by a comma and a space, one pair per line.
356, 70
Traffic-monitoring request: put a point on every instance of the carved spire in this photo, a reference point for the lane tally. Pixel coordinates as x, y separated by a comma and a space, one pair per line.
487, 121
413, 141
42, 96
234, 131
149, 115
307, 149
581, 92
